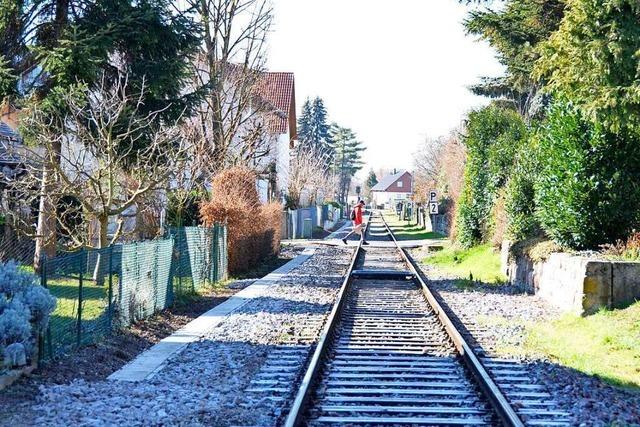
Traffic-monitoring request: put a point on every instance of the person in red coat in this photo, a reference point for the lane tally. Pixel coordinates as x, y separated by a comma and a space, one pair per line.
358, 226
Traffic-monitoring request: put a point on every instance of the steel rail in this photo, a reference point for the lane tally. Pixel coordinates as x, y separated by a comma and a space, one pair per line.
492, 392
313, 371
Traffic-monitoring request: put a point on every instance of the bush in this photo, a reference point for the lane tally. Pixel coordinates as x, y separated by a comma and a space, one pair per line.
498, 220
537, 249
183, 209
588, 189
25, 308
493, 136
253, 230
519, 202
624, 249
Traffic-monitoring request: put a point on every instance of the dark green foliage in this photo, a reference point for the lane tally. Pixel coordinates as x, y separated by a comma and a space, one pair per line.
183, 210
144, 40
305, 122
151, 46
492, 139
347, 158
514, 31
7, 78
371, 181
520, 194
588, 188
593, 60
12, 46
313, 129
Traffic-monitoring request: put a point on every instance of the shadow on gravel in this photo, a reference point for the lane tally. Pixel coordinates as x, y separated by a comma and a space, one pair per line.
281, 305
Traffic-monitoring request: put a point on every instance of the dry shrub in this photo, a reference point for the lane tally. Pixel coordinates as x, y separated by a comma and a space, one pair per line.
253, 230
537, 249
453, 158
272, 214
624, 249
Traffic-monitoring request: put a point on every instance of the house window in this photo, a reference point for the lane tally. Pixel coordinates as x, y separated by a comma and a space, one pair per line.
399, 184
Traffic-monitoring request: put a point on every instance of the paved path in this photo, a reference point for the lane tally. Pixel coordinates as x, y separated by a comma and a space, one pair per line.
153, 359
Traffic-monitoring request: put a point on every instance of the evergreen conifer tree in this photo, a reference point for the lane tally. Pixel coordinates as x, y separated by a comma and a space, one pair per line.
371, 181
304, 123
347, 159
313, 129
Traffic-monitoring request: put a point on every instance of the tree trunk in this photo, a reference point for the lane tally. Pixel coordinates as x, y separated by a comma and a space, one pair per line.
45, 234
103, 242
46, 229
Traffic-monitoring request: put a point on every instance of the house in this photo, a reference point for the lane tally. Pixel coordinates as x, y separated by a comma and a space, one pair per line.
10, 140
277, 90
392, 189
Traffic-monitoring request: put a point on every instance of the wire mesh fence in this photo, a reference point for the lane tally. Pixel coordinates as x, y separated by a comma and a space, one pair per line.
101, 290
16, 246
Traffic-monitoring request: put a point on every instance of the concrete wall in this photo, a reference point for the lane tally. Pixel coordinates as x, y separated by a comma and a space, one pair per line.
321, 216
575, 283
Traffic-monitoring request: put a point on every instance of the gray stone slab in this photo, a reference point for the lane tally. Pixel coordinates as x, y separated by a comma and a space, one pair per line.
153, 360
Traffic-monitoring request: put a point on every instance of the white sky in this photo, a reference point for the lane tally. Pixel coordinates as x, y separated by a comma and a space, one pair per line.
393, 71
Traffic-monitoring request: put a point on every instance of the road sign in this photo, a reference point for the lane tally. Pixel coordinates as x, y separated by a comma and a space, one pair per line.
433, 208
432, 196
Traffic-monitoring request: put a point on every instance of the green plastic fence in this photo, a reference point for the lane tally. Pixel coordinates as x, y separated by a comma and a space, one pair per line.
101, 290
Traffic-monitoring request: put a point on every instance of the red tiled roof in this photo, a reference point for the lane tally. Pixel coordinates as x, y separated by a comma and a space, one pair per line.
277, 88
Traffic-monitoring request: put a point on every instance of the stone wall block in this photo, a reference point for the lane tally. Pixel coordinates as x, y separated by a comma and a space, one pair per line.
625, 289
596, 286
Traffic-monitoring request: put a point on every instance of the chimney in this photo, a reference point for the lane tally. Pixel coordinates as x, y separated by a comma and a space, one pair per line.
394, 171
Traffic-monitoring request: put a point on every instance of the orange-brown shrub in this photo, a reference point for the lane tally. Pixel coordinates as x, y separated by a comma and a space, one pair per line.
253, 229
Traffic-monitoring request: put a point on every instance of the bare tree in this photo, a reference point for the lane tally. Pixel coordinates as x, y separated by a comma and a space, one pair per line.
105, 159
308, 176
190, 181
427, 162
232, 118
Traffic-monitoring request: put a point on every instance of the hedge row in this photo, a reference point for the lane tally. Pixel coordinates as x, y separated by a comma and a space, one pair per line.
566, 177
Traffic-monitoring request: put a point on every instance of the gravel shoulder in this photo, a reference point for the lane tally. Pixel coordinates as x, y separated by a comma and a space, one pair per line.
206, 384
496, 316
96, 362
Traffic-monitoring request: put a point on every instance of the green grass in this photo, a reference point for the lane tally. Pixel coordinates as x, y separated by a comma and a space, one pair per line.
606, 344
407, 230
478, 263
66, 292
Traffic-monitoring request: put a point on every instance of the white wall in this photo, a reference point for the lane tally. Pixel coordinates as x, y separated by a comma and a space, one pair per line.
283, 163
385, 197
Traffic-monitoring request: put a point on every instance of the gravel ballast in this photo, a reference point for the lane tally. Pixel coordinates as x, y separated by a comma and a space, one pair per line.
496, 316
206, 384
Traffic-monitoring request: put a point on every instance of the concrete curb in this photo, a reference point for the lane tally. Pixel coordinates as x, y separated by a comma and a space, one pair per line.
147, 364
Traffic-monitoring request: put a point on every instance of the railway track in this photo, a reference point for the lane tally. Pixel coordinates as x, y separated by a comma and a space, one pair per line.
389, 355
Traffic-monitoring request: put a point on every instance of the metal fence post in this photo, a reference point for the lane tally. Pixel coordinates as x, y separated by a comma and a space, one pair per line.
43, 283
180, 272
80, 280
110, 293
155, 275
